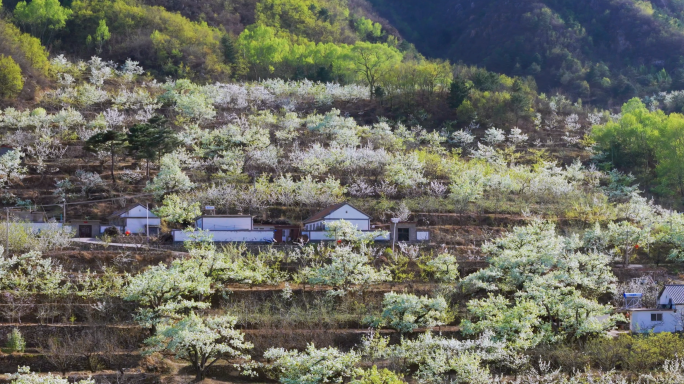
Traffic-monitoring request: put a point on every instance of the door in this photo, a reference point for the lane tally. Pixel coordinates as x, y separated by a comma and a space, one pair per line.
85, 231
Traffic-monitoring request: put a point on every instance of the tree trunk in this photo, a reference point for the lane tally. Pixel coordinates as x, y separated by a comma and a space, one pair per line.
112, 167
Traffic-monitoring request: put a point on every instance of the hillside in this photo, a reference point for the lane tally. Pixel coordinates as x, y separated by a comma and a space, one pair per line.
289, 191
604, 51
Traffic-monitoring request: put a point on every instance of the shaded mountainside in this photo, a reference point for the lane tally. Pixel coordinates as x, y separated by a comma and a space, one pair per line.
600, 50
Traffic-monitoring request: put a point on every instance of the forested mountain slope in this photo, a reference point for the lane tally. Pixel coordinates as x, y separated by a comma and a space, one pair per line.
600, 50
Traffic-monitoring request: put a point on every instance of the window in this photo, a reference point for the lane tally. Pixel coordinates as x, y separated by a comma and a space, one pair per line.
656, 317
403, 234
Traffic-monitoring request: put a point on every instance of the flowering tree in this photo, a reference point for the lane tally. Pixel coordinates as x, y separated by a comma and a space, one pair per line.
11, 168
25, 376
202, 342
324, 365
406, 312
555, 285
176, 209
345, 231
161, 291
439, 359
342, 269
170, 177
405, 171
444, 268
88, 181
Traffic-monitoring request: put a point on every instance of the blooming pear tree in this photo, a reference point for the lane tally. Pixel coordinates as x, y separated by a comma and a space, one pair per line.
167, 291
344, 269
444, 268
547, 288
406, 312
25, 376
202, 342
176, 209
313, 365
170, 178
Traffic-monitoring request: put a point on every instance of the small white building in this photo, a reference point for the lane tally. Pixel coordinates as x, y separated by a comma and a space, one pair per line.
134, 219
315, 227
224, 223
228, 228
668, 316
341, 211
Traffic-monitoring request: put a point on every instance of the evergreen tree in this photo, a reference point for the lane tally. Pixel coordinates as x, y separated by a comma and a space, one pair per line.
458, 92
110, 141
151, 140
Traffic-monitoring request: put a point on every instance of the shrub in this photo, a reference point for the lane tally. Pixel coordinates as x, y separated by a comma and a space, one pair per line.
11, 81
112, 231
15, 341
375, 376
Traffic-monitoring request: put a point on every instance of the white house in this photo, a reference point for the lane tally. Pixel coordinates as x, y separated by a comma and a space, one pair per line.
667, 317
228, 228
315, 226
134, 219
341, 211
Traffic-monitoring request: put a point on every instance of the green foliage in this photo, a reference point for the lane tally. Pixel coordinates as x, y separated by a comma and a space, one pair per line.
101, 36
15, 341
42, 17
25, 49
636, 353
177, 210
151, 140
174, 45
11, 81
567, 45
646, 143
110, 141
458, 92
375, 376
315, 20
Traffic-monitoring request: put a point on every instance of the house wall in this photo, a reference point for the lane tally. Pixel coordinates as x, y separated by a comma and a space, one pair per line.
226, 223
231, 236
361, 224
351, 214
139, 225
138, 211
322, 236
37, 227
94, 227
640, 321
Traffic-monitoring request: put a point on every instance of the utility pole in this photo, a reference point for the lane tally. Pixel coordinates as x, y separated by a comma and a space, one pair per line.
147, 225
394, 221
7, 229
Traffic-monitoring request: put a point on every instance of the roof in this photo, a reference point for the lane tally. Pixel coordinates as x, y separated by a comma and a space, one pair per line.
322, 214
222, 216
125, 210
676, 292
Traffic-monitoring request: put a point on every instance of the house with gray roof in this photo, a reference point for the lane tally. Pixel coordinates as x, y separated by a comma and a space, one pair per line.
668, 315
